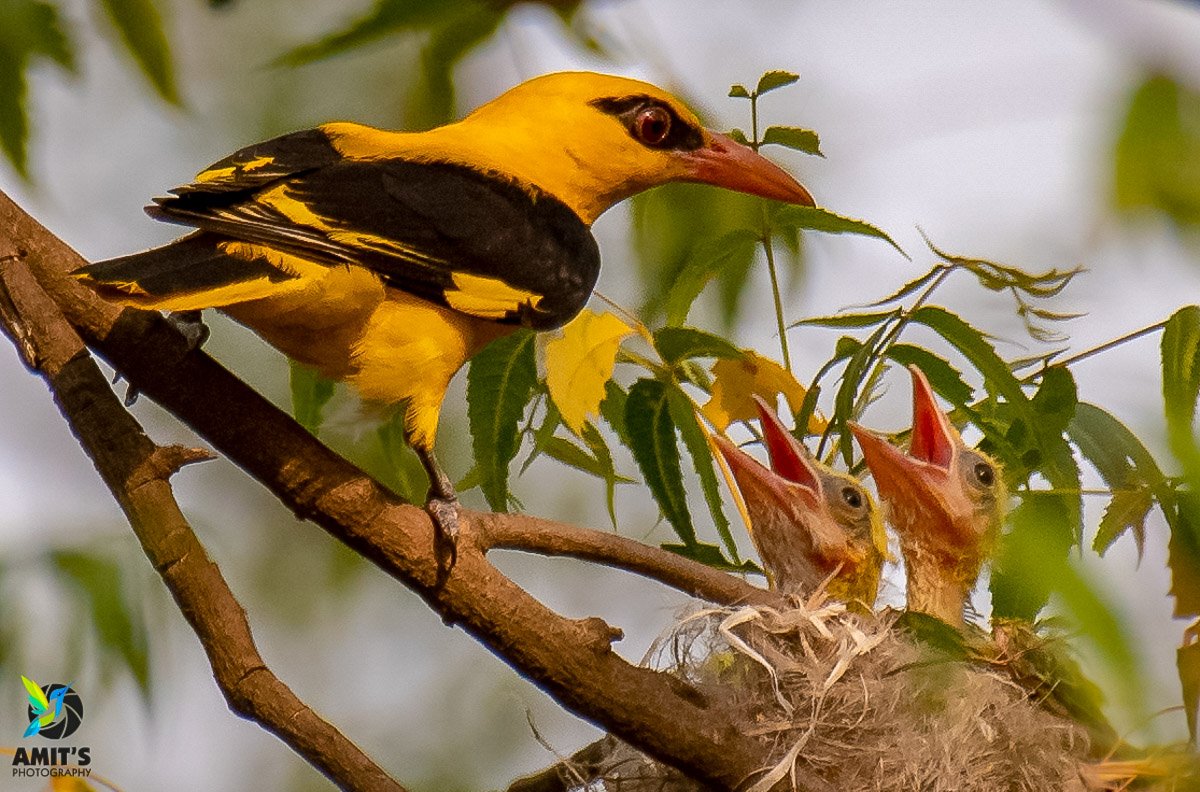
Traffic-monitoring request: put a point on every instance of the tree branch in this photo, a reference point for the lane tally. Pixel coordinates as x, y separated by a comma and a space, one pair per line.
571, 660
138, 472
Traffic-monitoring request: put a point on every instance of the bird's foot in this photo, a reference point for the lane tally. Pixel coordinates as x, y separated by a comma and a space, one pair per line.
191, 325
444, 513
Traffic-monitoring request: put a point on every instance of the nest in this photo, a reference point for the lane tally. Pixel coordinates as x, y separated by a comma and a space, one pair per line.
853, 702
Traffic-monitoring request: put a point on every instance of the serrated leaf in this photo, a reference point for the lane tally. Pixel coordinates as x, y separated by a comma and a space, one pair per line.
737, 91
710, 555
141, 30
907, 288
1124, 463
613, 409
814, 218
120, 631
654, 447
684, 343
310, 393
795, 138
847, 320
696, 441
1127, 511
975, 346
944, 378
857, 369
600, 450
500, 382
729, 250
737, 382
776, 78
580, 362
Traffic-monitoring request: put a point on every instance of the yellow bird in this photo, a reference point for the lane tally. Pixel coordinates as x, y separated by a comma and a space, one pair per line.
945, 500
387, 259
808, 521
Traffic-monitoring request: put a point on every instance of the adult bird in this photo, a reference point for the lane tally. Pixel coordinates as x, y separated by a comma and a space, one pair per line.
945, 501
809, 522
387, 259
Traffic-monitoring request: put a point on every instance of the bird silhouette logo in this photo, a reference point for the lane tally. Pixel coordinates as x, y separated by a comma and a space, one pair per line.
55, 711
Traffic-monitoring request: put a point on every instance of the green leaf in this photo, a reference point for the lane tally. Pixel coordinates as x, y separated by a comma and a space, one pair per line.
738, 91
1183, 557
944, 378
1126, 466
998, 378
685, 419
814, 218
612, 409
29, 30
856, 371
388, 16
120, 631
600, 450
310, 393
804, 140
774, 79
847, 320
652, 441
141, 30
908, 288
1127, 511
710, 555
1031, 555
1157, 162
1181, 372
500, 382
739, 136
728, 252
684, 343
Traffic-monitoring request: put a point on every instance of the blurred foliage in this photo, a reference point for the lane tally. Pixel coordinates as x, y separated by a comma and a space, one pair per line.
104, 615
34, 30
1158, 152
448, 30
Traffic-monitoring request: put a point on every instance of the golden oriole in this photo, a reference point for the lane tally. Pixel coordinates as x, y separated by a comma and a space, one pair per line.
946, 502
387, 259
807, 520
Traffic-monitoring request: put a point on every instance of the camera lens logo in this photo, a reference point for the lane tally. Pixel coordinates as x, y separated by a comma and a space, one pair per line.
55, 711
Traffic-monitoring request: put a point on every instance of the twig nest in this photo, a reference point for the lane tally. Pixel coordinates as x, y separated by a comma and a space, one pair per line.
855, 702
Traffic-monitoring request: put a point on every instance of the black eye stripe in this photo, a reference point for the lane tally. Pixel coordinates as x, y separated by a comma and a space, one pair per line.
681, 135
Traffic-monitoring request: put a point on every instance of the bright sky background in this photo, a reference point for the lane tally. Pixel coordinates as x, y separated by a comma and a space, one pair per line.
988, 125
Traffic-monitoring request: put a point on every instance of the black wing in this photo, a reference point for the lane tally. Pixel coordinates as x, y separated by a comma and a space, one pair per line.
446, 232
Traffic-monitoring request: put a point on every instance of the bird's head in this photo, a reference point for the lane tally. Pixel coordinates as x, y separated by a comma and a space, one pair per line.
592, 140
945, 500
808, 521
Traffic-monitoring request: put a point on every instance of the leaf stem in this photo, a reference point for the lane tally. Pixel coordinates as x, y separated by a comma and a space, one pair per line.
780, 322
1096, 350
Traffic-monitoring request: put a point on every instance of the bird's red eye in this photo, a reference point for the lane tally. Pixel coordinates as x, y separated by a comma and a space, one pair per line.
652, 125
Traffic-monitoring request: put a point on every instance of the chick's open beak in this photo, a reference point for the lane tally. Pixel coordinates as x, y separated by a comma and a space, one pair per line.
724, 162
919, 482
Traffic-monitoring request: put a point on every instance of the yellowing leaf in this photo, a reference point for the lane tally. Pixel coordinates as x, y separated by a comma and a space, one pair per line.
737, 380
580, 362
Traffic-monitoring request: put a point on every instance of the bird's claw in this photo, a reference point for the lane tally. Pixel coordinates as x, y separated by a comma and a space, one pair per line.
444, 513
191, 326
